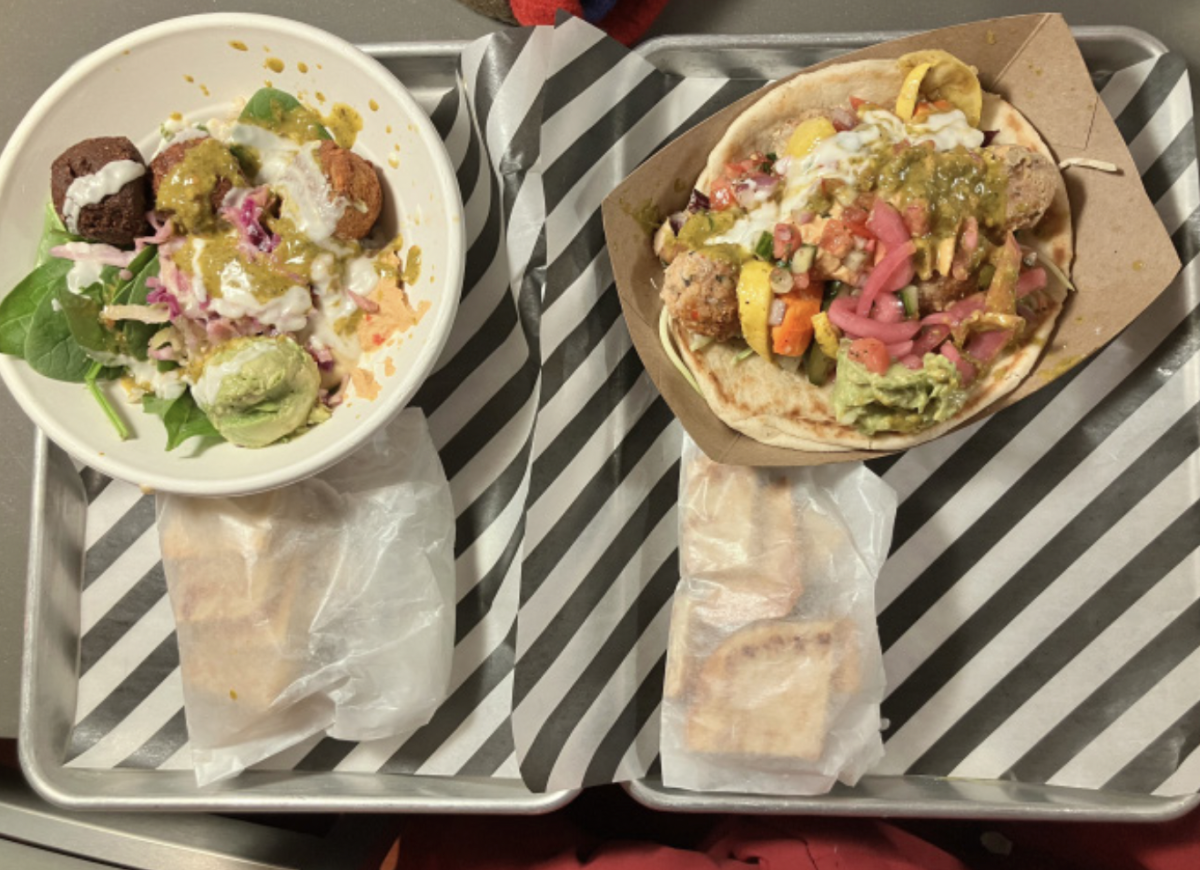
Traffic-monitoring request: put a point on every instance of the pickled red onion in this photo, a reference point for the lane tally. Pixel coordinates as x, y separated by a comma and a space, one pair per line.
842, 315
1034, 279
893, 272
885, 222
965, 369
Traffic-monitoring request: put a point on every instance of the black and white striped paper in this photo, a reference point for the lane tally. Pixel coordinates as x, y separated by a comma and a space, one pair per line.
1040, 613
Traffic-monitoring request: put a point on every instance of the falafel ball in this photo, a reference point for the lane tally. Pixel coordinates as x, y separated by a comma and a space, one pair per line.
1033, 180
93, 209
203, 172
701, 293
354, 178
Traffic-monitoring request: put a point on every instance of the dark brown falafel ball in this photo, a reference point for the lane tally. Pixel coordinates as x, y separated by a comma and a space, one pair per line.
217, 172
354, 178
117, 219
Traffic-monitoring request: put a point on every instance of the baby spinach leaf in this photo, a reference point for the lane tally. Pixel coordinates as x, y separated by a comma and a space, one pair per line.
53, 234
131, 291
269, 104
182, 418
269, 108
82, 314
136, 334
18, 307
50, 348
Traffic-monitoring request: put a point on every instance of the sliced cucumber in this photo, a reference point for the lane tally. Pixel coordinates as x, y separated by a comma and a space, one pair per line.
803, 259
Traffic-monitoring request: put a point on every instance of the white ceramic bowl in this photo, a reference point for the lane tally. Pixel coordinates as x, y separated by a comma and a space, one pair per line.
191, 66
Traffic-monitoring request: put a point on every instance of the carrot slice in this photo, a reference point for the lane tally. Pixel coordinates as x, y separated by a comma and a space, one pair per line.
794, 335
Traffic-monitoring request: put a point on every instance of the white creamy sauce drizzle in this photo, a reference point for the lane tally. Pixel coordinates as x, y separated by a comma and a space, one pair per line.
361, 276
842, 157
85, 270
83, 274
174, 132
91, 189
208, 385
275, 153
287, 312
308, 199
194, 300
335, 304
293, 172
145, 373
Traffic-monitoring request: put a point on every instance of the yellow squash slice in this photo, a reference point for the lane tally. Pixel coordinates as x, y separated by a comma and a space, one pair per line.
906, 103
826, 335
940, 75
807, 135
754, 305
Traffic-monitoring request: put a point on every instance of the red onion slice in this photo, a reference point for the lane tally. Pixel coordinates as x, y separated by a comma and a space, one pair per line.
890, 274
778, 310
888, 308
965, 369
885, 222
842, 315
931, 336
1034, 279
983, 346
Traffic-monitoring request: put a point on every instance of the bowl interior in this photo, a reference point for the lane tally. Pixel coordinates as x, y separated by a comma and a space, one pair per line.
199, 68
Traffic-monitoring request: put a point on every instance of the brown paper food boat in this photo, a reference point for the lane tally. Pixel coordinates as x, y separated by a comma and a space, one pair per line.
1123, 256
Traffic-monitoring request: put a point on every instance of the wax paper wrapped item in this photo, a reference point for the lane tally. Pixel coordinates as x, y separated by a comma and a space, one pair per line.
774, 674
323, 607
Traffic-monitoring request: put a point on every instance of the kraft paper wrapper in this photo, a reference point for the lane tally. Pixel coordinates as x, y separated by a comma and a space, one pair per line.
1033, 62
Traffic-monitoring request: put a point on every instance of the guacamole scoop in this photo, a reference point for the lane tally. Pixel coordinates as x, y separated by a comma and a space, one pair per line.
899, 400
258, 390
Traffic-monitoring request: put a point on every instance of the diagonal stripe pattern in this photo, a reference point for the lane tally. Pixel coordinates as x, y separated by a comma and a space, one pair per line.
1039, 612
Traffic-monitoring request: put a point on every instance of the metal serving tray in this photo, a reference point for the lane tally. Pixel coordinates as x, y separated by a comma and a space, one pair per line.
49, 680
1105, 49
49, 675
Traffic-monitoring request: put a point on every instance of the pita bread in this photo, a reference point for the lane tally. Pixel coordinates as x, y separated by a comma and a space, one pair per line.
765, 691
679, 644
241, 610
781, 408
739, 556
739, 534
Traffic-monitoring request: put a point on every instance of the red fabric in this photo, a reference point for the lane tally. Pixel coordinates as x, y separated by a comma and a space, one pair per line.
626, 23
555, 843
1169, 846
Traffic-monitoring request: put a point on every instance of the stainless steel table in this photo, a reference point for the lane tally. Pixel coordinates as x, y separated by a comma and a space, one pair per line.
39, 40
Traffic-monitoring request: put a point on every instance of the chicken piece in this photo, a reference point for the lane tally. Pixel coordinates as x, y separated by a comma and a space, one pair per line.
701, 293
355, 179
1032, 182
